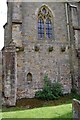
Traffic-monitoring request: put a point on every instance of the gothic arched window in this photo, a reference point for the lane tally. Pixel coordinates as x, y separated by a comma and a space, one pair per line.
44, 23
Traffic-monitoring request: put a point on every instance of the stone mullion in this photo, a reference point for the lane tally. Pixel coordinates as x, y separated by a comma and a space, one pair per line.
45, 29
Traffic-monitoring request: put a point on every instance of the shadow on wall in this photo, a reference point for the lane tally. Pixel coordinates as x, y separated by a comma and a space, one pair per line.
29, 103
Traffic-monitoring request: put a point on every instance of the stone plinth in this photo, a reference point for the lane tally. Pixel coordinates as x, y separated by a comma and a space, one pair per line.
76, 109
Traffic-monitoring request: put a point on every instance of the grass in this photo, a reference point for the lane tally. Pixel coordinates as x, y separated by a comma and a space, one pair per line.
61, 111
61, 108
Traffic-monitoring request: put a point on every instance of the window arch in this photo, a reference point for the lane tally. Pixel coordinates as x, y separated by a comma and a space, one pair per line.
45, 23
29, 77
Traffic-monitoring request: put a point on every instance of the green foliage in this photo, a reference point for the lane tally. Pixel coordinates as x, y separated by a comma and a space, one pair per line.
73, 91
50, 90
57, 89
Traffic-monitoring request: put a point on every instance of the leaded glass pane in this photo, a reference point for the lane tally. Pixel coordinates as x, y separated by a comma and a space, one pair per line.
40, 28
48, 28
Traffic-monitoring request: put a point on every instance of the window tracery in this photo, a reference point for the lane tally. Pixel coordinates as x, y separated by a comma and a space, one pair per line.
44, 23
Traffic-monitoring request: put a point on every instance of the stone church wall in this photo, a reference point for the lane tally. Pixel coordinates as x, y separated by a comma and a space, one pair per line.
0, 79
8, 25
9, 73
55, 63
31, 65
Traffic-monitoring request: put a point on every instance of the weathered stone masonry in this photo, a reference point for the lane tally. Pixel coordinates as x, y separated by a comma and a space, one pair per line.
0, 78
26, 59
